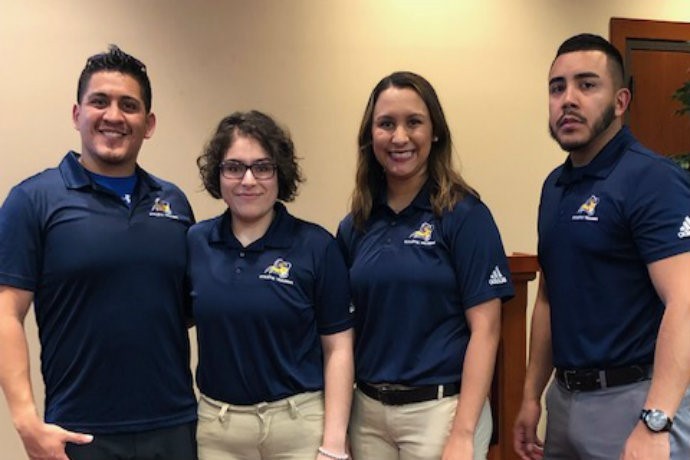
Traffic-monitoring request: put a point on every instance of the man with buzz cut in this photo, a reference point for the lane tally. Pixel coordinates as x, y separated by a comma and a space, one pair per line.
98, 246
612, 313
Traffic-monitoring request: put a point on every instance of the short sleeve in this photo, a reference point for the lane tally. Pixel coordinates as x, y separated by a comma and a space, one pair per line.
480, 264
20, 242
332, 296
659, 211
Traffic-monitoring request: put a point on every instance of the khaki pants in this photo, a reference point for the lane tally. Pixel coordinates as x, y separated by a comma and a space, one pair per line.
288, 429
409, 432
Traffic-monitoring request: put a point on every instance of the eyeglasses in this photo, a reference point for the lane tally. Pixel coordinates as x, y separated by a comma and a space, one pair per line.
261, 170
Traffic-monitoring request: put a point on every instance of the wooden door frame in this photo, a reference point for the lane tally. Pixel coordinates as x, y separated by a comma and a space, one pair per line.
631, 36
620, 28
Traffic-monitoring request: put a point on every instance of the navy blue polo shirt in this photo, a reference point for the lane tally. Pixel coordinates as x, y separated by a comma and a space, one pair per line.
413, 276
600, 226
260, 310
109, 284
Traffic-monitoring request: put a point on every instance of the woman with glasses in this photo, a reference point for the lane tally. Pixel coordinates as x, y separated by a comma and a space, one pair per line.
428, 274
270, 298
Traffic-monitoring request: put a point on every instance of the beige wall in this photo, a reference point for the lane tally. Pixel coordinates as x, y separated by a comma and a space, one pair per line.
310, 63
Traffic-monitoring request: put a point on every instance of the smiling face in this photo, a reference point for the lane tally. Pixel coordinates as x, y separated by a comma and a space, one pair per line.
250, 200
402, 133
585, 106
113, 123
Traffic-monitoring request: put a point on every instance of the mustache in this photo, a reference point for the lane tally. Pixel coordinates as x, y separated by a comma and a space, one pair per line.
570, 114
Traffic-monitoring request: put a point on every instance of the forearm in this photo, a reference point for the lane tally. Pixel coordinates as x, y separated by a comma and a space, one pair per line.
40, 440
477, 374
672, 355
484, 322
14, 372
672, 360
339, 379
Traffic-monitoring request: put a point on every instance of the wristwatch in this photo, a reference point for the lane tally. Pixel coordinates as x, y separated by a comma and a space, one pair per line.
656, 420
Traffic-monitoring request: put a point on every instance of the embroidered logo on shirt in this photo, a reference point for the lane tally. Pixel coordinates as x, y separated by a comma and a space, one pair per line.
587, 210
422, 236
162, 208
684, 230
279, 271
497, 277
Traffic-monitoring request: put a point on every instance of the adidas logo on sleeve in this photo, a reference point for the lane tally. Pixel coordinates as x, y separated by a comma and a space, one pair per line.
497, 277
684, 230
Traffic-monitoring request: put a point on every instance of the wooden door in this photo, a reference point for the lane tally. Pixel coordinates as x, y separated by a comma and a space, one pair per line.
657, 61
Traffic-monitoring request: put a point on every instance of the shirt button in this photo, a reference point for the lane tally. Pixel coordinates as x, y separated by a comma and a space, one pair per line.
241, 254
238, 270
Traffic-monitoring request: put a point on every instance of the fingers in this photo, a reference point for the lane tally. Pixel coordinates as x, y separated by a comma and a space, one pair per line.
520, 441
526, 443
535, 450
49, 442
74, 438
78, 438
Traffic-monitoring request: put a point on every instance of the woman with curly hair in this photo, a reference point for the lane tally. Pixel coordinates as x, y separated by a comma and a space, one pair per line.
271, 302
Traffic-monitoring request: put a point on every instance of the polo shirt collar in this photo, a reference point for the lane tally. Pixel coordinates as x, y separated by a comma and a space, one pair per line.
280, 233
602, 164
75, 175
421, 201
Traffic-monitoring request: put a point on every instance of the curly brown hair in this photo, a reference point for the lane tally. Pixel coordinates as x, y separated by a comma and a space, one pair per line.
274, 140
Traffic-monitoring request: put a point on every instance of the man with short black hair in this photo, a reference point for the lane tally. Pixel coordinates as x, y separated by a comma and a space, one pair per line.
612, 314
98, 245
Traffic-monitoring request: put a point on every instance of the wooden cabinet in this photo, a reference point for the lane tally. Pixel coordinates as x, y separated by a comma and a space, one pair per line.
506, 392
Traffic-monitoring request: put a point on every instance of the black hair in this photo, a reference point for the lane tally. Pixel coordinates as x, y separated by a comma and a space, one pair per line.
116, 60
591, 42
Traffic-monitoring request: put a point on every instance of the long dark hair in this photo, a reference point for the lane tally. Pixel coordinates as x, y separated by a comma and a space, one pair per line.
447, 185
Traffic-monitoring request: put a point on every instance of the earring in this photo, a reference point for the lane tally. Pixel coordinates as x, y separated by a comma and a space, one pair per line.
435, 139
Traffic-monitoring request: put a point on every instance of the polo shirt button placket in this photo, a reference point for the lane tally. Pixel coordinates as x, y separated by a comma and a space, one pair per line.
241, 263
392, 224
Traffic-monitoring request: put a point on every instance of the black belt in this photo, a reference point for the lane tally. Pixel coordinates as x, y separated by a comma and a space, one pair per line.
397, 397
596, 379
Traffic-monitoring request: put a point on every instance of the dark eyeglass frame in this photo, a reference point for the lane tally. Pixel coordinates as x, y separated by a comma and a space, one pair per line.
261, 170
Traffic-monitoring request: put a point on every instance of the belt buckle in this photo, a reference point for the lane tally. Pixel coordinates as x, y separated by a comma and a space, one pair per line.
383, 392
582, 380
567, 375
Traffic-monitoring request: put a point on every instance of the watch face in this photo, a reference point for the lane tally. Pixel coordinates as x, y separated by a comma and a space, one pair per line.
656, 420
